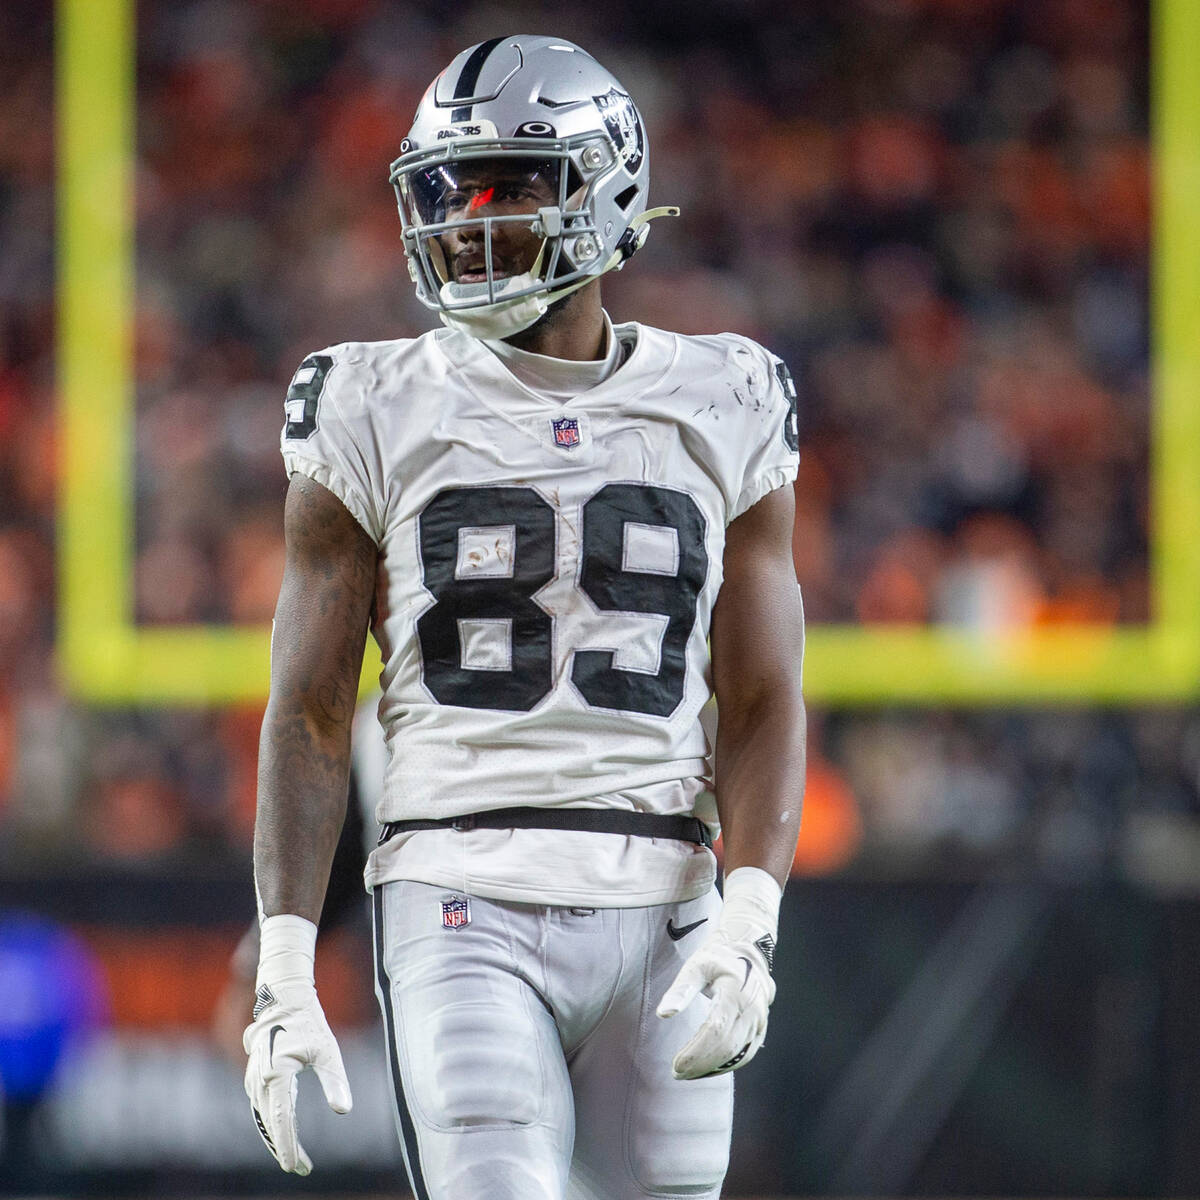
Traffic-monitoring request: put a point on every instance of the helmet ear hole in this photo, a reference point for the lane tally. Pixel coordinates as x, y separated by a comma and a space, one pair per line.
624, 200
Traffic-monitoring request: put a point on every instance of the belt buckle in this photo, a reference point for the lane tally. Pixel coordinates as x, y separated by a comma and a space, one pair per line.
463, 823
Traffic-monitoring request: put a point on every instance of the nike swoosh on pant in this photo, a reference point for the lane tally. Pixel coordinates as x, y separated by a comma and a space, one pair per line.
675, 932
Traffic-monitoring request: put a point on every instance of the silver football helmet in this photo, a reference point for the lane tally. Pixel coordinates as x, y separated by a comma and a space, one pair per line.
564, 136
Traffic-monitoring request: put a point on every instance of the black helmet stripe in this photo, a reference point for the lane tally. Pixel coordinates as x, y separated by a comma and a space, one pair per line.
470, 76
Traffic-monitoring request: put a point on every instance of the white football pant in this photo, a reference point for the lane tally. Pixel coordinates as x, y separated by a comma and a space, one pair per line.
525, 1054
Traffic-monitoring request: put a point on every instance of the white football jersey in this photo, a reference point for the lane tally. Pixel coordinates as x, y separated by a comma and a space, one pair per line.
547, 569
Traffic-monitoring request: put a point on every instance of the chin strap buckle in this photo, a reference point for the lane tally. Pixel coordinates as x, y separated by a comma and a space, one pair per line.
630, 243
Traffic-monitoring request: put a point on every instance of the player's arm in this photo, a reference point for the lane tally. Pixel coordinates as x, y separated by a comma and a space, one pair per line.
304, 764
317, 644
343, 898
757, 645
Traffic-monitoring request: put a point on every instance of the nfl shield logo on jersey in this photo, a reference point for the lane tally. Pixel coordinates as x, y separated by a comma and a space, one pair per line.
566, 431
456, 912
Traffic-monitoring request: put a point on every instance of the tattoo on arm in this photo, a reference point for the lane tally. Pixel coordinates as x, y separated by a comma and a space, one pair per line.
317, 648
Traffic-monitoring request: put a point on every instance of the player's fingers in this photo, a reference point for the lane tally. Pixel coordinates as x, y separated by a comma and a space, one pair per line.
256, 1090
718, 1057
740, 1047
687, 986
331, 1071
280, 1119
259, 1109
724, 1041
276, 1122
710, 1045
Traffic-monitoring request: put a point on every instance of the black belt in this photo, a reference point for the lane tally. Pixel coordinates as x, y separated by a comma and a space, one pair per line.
591, 820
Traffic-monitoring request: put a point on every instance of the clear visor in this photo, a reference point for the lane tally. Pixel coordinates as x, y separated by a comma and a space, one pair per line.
472, 189
493, 225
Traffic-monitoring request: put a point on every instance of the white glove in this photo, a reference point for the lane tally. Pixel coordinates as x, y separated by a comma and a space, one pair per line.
733, 967
289, 1033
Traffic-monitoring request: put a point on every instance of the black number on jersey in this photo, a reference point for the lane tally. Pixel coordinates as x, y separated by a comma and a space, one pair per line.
303, 397
791, 419
523, 564
614, 588
519, 561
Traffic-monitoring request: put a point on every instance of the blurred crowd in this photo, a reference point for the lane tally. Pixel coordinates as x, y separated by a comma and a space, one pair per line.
937, 211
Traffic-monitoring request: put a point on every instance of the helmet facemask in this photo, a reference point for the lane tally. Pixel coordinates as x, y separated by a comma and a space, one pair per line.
480, 205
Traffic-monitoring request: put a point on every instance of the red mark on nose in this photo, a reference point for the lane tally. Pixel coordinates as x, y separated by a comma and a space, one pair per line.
481, 198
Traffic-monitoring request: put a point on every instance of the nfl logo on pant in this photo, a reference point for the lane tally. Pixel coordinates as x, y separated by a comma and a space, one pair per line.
456, 912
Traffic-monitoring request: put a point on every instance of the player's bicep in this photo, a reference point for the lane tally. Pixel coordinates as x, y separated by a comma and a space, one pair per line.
757, 634
324, 603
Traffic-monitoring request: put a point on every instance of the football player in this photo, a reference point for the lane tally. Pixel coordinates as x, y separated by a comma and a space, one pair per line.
544, 518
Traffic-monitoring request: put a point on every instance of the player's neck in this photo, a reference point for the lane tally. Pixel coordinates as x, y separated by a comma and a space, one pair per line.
571, 329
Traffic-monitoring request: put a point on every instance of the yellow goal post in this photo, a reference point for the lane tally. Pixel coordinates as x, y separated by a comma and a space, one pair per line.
105, 657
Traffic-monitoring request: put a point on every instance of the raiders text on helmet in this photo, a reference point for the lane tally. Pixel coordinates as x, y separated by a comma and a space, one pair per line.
544, 110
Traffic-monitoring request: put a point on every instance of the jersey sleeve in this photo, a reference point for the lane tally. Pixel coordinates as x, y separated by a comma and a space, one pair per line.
773, 445
327, 435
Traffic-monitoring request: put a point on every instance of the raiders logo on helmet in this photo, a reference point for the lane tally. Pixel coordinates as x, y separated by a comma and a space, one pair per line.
624, 127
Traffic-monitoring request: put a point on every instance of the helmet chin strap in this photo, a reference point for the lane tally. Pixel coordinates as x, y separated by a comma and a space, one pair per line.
496, 321
502, 318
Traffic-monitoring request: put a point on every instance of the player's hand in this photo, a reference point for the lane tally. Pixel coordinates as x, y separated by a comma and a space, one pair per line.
732, 967
289, 1033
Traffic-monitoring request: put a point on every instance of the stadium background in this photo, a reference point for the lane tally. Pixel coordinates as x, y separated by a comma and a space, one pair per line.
948, 216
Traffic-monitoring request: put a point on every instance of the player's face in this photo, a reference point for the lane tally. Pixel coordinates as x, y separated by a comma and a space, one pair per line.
471, 191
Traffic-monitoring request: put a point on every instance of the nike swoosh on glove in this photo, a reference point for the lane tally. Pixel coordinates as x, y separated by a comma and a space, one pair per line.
732, 967
288, 1034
